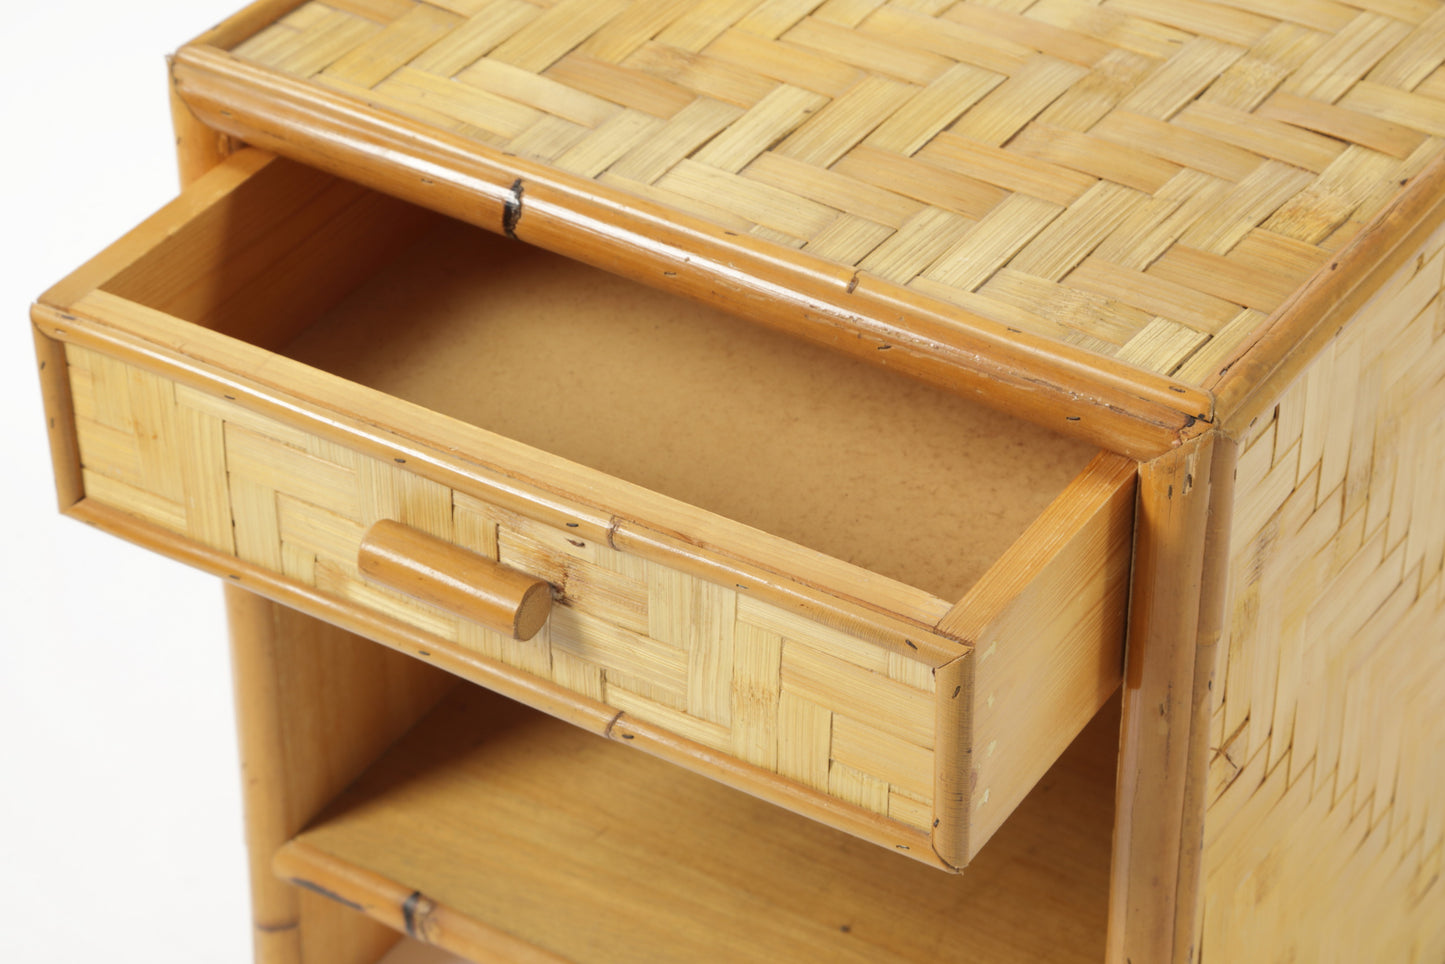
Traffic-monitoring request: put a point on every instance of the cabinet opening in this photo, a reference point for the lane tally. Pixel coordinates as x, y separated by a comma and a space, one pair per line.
837, 455
490, 828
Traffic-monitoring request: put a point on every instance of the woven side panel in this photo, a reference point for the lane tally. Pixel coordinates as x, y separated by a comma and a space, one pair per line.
1144, 178
1325, 826
802, 700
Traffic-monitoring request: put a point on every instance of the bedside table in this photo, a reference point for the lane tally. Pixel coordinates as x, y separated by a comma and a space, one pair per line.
1209, 247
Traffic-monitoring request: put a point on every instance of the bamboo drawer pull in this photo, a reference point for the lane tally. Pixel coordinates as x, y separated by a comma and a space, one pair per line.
461, 582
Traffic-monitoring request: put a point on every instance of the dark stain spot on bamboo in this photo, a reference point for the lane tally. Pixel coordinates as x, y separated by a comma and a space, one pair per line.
427, 180
512, 209
1178, 388
1188, 481
399, 461
408, 913
572, 525
627, 736
232, 575
846, 928
607, 730
578, 543
1191, 419
290, 925
1073, 418
42, 366
1170, 493
911, 645
1334, 265
853, 283
52, 423
1017, 331
884, 347
740, 585
229, 398
423, 652
669, 274
956, 690
67, 316
331, 894
902, 846
936, 821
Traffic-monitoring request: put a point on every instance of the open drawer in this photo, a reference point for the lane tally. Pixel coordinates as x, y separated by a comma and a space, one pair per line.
884, 607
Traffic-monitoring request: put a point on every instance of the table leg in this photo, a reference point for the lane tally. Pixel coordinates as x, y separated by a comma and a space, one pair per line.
315, 705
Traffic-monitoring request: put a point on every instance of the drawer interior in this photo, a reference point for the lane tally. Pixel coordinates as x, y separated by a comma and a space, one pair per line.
875, 603
492, 830
834, 454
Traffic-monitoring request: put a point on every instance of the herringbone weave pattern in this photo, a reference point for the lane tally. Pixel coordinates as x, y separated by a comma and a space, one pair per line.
812, 704
1325, 827
1148, 179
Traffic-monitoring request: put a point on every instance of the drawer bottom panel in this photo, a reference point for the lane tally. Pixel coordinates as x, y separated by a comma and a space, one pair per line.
815, 706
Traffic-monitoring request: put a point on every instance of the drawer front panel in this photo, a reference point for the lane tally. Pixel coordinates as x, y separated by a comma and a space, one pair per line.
716, 666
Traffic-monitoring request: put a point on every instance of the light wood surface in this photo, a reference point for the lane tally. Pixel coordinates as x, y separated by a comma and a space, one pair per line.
1106, 181
833, 454
1202, 236
1323, 834
472, 586
1154, 881
299, 684
490, 819
199, 434
54, 379
198, 147
1048, 619
828, 712
1073, 391
1249, 384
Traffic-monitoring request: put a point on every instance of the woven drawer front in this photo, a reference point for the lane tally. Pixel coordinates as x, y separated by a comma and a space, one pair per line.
1143, 179
715, 666
1329, 733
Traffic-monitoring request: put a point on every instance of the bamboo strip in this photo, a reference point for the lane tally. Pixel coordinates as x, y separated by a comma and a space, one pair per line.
60, 420
296, 680
766, 308
1129, 93
524, 687
1155, 883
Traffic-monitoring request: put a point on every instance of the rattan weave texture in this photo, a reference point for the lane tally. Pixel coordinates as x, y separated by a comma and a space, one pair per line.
825, 709
1325, 828
1147, 179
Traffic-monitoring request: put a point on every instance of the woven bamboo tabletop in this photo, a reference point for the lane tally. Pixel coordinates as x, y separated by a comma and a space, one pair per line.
1145, 179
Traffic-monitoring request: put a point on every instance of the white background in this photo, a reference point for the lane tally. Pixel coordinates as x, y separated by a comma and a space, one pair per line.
120, 816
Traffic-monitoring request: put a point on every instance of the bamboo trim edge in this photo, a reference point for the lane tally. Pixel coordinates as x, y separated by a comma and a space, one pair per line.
1113, 404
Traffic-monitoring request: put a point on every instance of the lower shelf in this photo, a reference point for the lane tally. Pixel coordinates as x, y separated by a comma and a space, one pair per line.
502, 834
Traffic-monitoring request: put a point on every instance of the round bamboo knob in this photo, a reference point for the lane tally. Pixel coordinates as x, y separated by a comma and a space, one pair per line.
461, 582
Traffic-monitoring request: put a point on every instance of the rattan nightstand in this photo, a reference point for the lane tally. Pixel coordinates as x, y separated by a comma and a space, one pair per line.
814, 397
